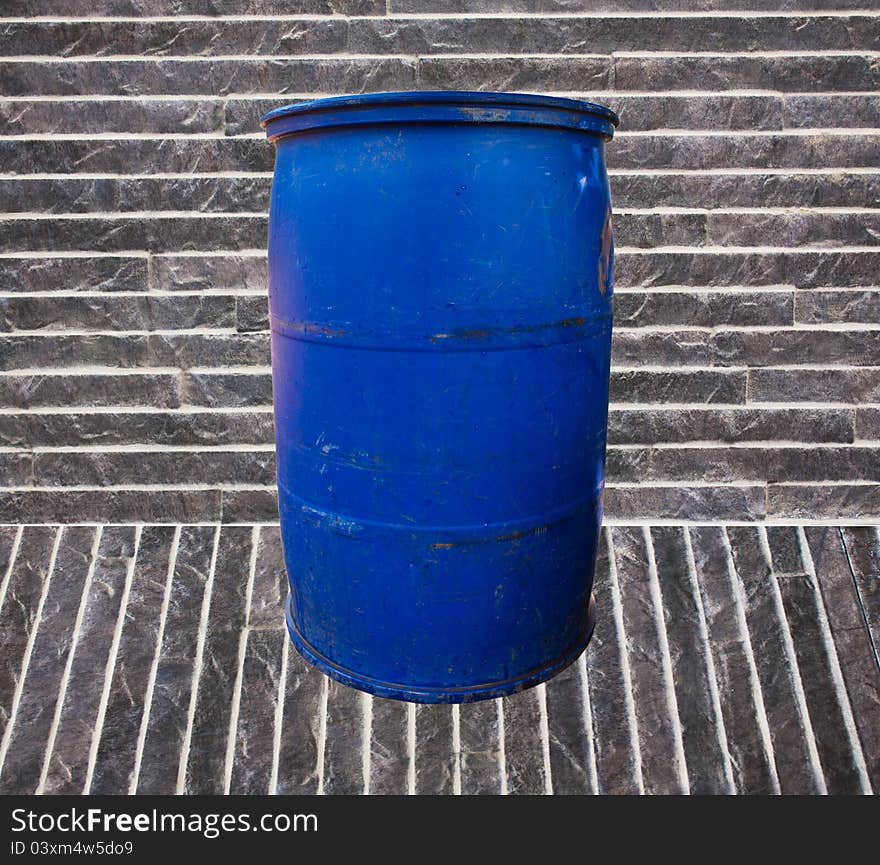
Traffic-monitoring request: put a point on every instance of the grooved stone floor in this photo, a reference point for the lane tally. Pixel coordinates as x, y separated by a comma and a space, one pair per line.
153, 659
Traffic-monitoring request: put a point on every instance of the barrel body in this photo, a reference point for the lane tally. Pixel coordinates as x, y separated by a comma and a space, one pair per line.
440, 281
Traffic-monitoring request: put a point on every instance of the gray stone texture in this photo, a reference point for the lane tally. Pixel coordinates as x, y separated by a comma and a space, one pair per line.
134, 326
684, 614
168, 721
778, 673
116, 759
68, 759
44, 674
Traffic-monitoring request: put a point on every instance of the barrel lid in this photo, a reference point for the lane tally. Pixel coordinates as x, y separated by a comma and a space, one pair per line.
442, 106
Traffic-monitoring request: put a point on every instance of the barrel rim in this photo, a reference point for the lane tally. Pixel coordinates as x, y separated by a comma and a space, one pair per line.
438, 98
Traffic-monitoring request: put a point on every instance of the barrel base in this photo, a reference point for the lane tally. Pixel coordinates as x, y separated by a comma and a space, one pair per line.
411, 694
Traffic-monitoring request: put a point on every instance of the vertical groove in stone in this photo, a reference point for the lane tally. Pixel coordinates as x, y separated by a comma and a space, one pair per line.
270, 582
29, 572
110, 667
523, 749
115, 760
10, 538
434, 755
252, 767
343, 764
255, 732
840, 573
300, 722
801, 603
705, 755
33, 720
863, 553
658, 740
767, 632
836, 683
570, 741
389, 762
254, 747
68, 763
738, 687
606, 666
169, 712
198, 664
480, 737
205, 773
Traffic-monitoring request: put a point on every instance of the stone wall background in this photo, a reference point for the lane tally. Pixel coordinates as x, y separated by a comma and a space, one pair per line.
134, 182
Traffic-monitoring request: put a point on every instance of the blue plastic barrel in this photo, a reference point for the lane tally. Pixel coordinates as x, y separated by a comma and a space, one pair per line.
440, 280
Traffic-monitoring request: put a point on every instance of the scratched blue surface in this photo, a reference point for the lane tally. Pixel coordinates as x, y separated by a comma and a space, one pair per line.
440, 280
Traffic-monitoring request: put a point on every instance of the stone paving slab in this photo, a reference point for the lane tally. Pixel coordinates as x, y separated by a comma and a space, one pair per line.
154, 659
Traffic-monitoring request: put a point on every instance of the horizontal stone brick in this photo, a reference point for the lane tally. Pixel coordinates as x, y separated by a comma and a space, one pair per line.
111, 312
730, 464
799, 269
208, 8
653, 425
242, 506
599, 35
73, 274
790, 73
782, 347
575, 6
660, 348
123, 234
243, 349
167, 467
68, 506
206, 77
28, 352
207, 272
678, 386
227, 389
855, 307
746, 190
741, 72
549, 35
157, 38
18, 351
109, 195
160, 116
703, 309
868, 424
821, 269
252, 312
793, 229
830, 111
515, 73
814, 385
16, 469
135, 156
672, 229
126, 350
160, 390
685, 503
774, 150
824, 501
125, 428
